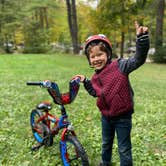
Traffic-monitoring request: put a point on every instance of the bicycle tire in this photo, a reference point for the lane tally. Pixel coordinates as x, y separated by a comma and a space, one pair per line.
41, 132
72, 152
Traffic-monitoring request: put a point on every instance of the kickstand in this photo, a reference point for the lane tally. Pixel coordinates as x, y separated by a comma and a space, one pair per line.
37, 147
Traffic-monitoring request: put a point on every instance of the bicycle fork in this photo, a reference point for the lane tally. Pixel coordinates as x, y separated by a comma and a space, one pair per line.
69, 130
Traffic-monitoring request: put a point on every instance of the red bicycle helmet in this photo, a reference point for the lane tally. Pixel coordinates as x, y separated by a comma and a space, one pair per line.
96, 39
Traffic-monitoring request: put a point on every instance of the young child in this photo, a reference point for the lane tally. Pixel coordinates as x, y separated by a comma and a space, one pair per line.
110, 84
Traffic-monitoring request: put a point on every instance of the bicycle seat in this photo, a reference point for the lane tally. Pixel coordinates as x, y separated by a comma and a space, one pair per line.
45, 105
65, 98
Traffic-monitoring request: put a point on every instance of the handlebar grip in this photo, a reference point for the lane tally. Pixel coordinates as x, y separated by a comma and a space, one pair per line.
34, 83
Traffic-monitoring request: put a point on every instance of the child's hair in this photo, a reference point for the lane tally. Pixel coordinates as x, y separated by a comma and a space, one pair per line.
102, 47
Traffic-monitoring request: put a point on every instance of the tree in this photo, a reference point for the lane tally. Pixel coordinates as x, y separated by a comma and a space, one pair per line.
36, 39
9, 22
40, 11
112, 18
36, 26
72, 22
159, 24
160, 49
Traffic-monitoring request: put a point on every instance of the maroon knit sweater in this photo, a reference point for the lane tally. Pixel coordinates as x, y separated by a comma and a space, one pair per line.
113, 91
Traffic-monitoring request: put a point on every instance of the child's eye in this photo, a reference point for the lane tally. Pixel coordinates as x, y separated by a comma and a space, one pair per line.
91, 56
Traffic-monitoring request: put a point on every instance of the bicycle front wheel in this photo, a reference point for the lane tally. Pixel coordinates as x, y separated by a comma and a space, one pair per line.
40, 130
72, 152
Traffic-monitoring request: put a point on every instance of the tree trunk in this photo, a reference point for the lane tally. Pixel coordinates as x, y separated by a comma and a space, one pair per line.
36, 15
41, 18
159, 24
122, 30
46, 17
75, 29
122, 44
72, 21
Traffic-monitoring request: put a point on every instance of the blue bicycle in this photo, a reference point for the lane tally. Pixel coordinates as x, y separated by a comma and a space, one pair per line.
45, 125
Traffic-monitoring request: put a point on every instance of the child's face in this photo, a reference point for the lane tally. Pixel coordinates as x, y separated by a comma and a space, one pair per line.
97, 58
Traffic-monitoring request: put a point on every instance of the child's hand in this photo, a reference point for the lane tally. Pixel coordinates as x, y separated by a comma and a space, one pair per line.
140, 29
82, 77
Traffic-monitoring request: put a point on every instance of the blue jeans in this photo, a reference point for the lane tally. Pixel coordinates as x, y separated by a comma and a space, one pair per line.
122, 127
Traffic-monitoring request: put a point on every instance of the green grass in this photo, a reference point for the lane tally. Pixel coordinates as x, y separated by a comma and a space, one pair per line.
17, 100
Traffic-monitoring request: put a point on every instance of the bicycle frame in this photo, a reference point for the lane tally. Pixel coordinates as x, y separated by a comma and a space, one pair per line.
59, 123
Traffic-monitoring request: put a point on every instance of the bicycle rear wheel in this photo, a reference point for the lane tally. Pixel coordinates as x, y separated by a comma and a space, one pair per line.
40, 130
72, 152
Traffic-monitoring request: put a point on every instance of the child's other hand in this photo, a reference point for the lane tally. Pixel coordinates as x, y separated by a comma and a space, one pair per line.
82, 77
140, 29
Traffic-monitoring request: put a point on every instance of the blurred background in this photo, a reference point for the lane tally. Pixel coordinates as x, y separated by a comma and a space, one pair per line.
49, 26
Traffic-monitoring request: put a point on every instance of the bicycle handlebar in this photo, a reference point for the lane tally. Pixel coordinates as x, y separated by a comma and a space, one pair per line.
45, 84
35, 83
53, 89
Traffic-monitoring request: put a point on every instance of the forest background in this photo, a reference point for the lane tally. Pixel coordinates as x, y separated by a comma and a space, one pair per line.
40, 26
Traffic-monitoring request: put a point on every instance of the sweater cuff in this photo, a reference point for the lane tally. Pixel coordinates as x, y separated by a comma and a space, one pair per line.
85, 80
142, 37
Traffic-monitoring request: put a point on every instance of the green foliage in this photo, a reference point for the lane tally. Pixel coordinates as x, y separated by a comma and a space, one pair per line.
10, 16
85, 23
36, 39
17, 100
109, 18
160, 56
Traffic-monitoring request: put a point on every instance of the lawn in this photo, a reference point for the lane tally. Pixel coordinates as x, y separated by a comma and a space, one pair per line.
17, 100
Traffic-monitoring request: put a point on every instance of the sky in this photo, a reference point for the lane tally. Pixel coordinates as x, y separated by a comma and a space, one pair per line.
93, 4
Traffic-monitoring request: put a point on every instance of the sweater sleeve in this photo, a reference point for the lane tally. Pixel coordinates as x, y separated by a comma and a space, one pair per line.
132, 63
88, 86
